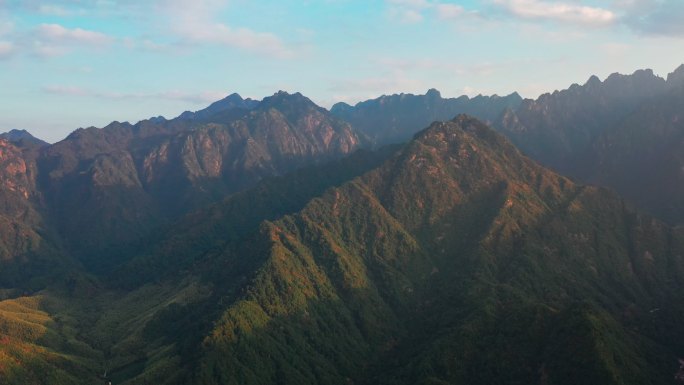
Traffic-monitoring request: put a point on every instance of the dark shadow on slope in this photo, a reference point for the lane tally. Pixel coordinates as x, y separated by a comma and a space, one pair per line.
206, 233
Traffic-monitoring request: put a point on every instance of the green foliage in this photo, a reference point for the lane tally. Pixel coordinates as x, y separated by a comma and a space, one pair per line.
205, 234
38, 348
457, 261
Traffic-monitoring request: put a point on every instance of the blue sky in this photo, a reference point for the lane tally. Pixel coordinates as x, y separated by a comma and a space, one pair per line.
66, 64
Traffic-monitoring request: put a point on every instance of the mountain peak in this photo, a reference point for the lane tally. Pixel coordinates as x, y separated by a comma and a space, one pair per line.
22, 136
285, 100
593, 81
454, 129
341, 108
515, 95
676, 77
433, 93
644, 72
231, 102
282, 95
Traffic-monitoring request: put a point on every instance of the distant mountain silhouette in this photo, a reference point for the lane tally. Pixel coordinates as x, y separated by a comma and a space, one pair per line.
622, 133
22, 138
396, 118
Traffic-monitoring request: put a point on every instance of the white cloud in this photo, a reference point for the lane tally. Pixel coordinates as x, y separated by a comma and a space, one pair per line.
58, 34
411, 3
558, 11
244, 38
414, 11
449, 11
405, 15
567, 11
50, 40
407, 11
195, 22
192, 23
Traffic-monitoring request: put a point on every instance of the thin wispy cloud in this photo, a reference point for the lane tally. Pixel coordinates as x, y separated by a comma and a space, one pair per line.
196, 23
55, 33
50, 40
198, 98
190, 23
449, 11
408, 11
415, 11
243, 38
570, 12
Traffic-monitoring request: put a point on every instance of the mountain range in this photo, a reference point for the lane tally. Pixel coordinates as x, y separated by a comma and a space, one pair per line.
620, 132
112, 186
396, 118
273, 241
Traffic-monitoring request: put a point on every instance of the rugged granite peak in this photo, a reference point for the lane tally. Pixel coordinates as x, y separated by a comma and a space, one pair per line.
14, 176
433, 93
122, 181
22, 138
590, 132
676, 77
641, 156
593, 81
231, 102
29, 251
558, 129
396, 118
288, 104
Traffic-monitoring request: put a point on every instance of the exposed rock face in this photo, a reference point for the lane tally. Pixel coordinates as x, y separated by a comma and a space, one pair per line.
624, 133
13, 172
27, 245
559, 129
112, 185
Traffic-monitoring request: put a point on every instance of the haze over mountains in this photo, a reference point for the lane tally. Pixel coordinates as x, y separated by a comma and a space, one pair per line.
273, 241
395, 118
619, 132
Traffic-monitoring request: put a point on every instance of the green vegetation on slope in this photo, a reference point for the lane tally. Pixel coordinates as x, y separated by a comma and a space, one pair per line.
458, 261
